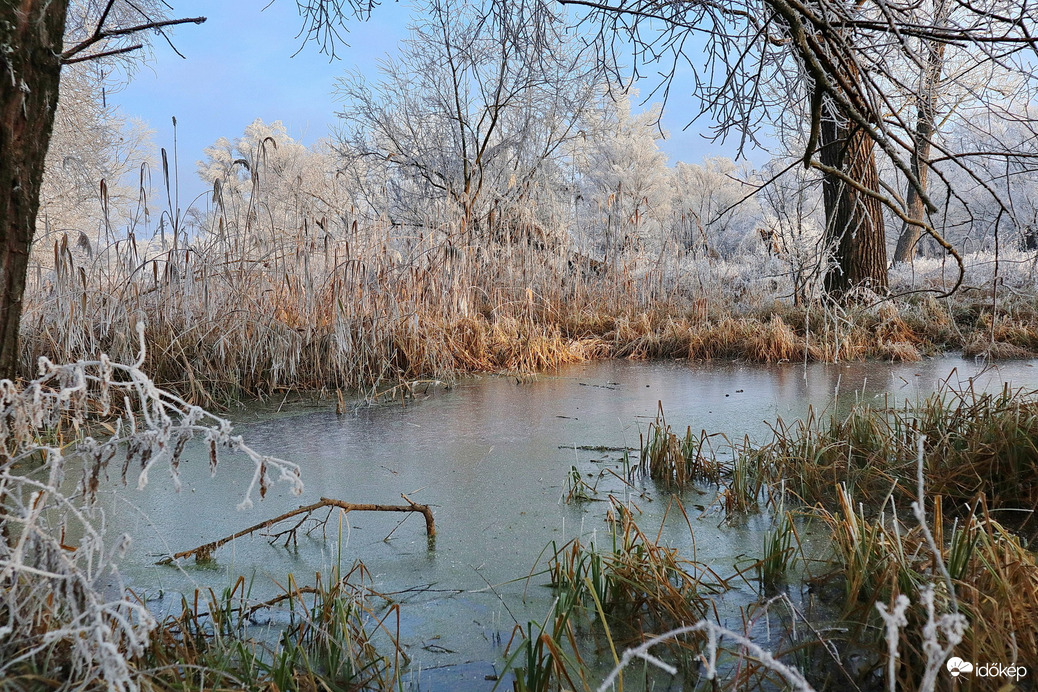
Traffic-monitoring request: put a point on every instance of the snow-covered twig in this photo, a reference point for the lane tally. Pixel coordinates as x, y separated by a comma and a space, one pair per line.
57, 595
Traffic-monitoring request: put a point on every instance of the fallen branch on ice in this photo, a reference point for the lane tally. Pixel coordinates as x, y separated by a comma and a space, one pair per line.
205, 552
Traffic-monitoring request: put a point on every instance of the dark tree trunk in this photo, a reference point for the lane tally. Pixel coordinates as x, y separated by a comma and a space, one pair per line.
853, 220
924, 129
914, 208
31, 34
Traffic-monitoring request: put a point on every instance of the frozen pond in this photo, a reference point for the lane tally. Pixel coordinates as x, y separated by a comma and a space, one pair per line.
491, 456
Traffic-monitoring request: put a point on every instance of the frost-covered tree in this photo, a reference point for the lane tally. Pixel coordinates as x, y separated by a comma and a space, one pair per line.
267, 185
624, 192
88, 187
63, 611
995, 199
714, 211
466, 120
744, 59
940, 89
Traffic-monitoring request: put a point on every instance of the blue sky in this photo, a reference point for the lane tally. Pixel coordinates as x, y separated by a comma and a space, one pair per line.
239, 67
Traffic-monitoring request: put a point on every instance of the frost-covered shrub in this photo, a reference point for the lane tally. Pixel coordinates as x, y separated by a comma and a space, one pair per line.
1015, 268
799, 250
62, 605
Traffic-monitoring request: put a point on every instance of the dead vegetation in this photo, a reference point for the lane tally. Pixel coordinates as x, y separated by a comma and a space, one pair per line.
230, 317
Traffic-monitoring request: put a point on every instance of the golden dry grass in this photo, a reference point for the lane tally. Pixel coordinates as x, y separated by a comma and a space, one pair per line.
234, 318
994, 576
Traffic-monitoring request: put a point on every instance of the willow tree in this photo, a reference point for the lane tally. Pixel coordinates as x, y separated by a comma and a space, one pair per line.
744, 58
854, 226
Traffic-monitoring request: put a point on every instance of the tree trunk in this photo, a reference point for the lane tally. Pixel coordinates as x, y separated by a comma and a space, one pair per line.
31, 35
924, 129
914, 208
853, 220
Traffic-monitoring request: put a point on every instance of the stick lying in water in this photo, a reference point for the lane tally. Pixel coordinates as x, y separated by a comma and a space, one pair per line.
205, 552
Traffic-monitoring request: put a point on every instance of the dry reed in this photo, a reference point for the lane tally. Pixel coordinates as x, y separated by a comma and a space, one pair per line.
976, 444
233, 314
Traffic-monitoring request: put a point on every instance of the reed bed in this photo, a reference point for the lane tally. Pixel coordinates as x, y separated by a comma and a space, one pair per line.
640, 585
234, 314
328, 636
977, 443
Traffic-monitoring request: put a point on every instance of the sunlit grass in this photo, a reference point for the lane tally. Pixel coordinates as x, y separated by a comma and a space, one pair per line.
231, 314
976, 443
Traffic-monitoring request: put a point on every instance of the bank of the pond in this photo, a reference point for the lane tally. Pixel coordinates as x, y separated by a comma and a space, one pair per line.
497, 458
272, 341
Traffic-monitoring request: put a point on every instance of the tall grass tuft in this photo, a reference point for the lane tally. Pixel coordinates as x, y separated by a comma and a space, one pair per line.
673, 461
638, 584
778, 553
543, 656
976, 443
922, 573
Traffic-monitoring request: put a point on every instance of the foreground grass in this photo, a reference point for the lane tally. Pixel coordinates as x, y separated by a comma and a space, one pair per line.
325, 637
329, 641
920, 568
861, 476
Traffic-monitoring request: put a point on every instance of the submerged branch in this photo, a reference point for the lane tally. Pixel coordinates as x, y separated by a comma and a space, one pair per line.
204, 552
